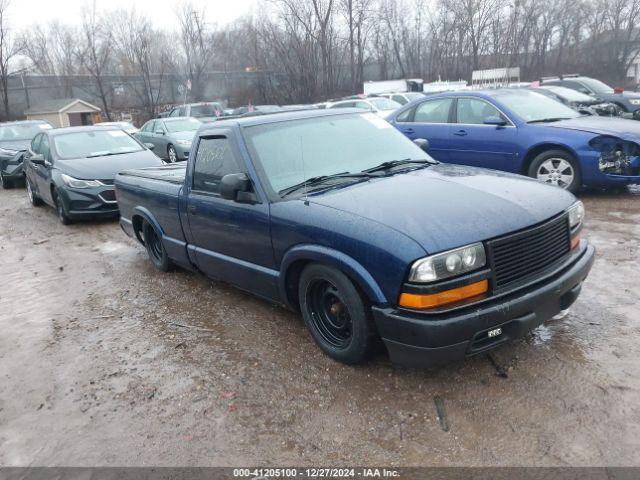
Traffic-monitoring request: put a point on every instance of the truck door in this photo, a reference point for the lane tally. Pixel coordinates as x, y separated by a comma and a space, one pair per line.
229, 240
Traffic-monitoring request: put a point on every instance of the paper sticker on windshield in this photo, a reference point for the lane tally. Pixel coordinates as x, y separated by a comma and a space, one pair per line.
376, 120
44, 126
117, 133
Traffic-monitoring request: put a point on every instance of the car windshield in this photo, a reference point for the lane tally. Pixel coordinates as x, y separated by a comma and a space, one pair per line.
10, 133
569, 94
205, 110
597, 86
532, 106
94, 143
290, 152
183, 125
384, 103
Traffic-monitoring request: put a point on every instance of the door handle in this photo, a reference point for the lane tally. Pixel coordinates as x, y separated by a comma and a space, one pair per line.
191, 209
460, 133
408, 130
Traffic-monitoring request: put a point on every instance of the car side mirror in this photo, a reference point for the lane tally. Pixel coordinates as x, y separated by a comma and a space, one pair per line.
37, 159
150, 146
423, 143
236, 187
497, 121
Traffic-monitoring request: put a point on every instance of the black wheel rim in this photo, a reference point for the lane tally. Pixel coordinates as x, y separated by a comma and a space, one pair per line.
155, 247
329, 313
61, 211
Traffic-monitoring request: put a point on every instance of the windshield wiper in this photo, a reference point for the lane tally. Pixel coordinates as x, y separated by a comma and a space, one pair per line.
394, 163
100, 154
322, 179
548, 120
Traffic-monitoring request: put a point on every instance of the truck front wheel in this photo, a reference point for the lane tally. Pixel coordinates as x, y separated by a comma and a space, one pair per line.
155, 248
336, 314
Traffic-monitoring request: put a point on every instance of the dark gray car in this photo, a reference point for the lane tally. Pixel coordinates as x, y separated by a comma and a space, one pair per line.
15, 138
171, 137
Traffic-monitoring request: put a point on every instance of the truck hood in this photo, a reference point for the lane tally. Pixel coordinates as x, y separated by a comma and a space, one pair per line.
617, 127
105, 168
447, 206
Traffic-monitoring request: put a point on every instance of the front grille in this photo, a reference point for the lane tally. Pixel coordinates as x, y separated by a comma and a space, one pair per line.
108, 195
518, 256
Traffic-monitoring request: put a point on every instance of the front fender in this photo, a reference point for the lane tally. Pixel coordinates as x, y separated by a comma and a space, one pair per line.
336, 259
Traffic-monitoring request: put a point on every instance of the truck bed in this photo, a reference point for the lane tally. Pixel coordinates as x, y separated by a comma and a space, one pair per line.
173, 173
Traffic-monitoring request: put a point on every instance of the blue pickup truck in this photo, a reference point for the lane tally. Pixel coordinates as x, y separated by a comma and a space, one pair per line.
337, 215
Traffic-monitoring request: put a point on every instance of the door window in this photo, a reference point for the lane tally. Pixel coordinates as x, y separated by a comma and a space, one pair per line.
214, 160
148, 127
159, 127
175, 112
472, 111
44, 147
400, 99
363, 105
433, 111
344, 105
35, 143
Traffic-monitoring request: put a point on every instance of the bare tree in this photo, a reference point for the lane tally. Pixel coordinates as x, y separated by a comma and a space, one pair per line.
9, 49
95, 52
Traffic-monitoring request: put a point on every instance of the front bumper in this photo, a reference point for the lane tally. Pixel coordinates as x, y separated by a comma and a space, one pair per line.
414, 339
182, 151
90, 202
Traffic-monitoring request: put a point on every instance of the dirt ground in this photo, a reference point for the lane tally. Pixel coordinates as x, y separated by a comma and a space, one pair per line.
105, 361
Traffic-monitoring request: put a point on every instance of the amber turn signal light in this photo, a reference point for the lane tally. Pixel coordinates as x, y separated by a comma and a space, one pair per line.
575, 241
432, 300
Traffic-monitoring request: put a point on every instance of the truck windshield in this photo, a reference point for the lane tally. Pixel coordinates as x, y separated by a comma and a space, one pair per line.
95, 143
534, 107
290, 152
17, 132
183, 125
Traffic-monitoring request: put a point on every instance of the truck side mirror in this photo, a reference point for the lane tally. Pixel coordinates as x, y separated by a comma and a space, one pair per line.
236, 187
423, 143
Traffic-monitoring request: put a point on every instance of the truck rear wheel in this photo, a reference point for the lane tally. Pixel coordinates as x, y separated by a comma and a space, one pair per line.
336, 314
155, 248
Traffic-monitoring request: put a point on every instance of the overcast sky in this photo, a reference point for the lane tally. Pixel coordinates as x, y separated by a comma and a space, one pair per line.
161, 12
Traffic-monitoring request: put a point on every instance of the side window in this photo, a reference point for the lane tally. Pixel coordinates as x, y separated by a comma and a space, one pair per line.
44, 147
400, 99
363, 105
148, 127
159, 126
182, 112
406, 116
472, 111
175, 112
576, 86
433, 111
345, 105
214, 160
35, 143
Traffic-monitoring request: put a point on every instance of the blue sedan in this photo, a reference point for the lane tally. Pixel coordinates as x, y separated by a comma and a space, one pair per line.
524, 132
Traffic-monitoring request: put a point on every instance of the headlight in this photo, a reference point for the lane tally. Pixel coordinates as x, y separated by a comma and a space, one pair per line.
184, 143
576, 214
76, 183
634, 101
448, 264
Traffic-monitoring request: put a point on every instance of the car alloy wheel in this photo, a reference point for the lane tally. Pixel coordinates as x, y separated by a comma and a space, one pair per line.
556, 171
172, 154
329, 313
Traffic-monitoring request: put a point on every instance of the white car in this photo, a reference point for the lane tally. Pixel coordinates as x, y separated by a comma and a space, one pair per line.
126, 126
402, 98
378, 105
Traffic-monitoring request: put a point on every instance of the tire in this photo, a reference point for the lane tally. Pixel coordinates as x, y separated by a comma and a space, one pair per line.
336, 314
33, 198
557, 167
172, 154
61, 210
155, 248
